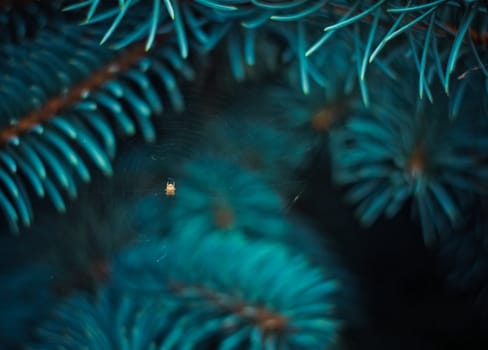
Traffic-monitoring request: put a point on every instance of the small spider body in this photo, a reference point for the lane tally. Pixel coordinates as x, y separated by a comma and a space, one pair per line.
170, 189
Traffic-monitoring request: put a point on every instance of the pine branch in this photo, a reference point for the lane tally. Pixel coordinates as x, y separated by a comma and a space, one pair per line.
402, 148
75, 110
224, 302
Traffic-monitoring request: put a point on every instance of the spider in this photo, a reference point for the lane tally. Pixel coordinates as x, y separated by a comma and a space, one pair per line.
170, 189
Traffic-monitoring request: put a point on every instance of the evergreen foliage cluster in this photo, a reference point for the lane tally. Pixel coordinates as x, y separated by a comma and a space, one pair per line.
221, 173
